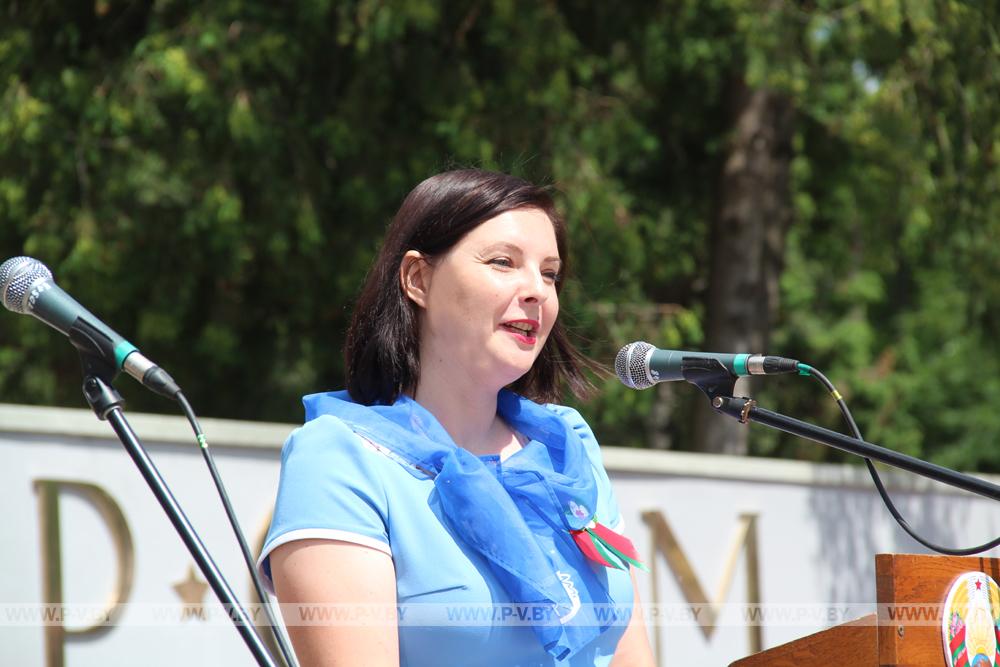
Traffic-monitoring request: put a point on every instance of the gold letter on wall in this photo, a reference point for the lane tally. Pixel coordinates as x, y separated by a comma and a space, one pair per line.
665, 543
52, 586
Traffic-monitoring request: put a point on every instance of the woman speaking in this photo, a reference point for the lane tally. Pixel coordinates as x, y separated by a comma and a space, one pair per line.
443, 479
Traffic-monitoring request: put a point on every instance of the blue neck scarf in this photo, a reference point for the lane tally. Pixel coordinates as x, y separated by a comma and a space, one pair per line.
518, 517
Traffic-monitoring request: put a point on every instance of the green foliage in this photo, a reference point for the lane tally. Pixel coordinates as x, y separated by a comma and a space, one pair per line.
889, 283
213, 179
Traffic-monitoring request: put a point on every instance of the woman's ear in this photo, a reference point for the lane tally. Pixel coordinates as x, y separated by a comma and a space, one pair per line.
415, 277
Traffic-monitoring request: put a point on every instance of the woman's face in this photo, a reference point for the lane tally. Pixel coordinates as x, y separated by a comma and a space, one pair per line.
489, 302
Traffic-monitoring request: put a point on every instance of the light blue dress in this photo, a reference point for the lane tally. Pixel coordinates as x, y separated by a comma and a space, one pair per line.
336, 485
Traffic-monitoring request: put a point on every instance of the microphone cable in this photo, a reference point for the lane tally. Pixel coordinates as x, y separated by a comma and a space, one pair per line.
286, 651
806, 369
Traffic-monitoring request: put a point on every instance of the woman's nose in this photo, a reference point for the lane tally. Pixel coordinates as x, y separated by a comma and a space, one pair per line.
534, 288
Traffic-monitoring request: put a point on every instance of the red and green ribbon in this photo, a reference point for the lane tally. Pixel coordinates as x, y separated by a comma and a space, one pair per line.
603, 545
957, 648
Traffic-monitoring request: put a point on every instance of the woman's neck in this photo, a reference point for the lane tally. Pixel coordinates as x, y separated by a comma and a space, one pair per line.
468, 413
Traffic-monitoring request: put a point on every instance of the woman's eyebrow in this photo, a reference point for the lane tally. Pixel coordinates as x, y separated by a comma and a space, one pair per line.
515, 249
503, 245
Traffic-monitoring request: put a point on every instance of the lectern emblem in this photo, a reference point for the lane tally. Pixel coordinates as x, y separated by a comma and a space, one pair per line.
971, 622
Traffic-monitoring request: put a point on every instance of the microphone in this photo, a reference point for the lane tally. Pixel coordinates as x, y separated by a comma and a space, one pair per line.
27, 286
639, 365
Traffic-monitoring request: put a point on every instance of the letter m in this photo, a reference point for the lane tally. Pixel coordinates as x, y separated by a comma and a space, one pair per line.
707, 611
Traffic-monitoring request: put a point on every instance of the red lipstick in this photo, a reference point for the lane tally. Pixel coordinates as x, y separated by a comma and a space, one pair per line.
526, 331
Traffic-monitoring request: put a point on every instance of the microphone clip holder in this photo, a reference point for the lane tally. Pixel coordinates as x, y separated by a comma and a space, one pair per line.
710, 376
97, 376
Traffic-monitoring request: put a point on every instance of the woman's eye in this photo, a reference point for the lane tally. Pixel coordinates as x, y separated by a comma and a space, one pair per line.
552, 276
501, 261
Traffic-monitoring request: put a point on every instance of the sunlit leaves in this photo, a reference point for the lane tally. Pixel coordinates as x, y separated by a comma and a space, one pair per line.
213, 179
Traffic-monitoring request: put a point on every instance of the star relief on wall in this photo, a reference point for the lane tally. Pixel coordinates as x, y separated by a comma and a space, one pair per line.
191, 591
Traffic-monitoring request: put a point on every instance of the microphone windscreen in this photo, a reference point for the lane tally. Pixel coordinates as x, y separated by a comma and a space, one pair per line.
630, 365
17, 275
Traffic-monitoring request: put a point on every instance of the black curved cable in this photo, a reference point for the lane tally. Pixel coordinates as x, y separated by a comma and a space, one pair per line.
286, 651
805, 369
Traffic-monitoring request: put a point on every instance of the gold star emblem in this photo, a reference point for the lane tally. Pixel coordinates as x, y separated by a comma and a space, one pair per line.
192, 592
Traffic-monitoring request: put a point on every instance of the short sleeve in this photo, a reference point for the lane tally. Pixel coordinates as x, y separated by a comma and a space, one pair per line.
607, 509
330, 487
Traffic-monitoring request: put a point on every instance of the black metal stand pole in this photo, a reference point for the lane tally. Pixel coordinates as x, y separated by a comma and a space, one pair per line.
107, 404
718, 383
745, 409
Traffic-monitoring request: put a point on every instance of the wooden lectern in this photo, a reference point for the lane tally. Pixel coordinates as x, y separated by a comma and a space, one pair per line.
907, 587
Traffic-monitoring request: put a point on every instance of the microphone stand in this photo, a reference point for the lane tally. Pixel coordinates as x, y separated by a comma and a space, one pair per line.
107, 404
717, 383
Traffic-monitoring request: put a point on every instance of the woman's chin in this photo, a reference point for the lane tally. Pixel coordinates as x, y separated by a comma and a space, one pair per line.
513, 374
505, 367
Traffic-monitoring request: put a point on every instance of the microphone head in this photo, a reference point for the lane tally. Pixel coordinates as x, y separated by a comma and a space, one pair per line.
17, 275
632, 365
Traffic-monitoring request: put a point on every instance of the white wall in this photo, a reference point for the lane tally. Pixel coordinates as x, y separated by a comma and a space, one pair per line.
818, 530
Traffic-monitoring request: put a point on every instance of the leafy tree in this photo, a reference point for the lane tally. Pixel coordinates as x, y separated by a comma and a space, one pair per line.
895, 190
213, 179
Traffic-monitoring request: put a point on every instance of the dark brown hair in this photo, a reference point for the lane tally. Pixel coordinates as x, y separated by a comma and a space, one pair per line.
381, 353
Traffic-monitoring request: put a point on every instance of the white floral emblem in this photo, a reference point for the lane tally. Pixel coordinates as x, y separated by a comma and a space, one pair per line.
579, 511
